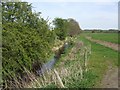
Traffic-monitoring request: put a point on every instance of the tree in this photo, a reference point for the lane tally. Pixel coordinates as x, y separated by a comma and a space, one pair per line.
74, 27
19, 13
61, 28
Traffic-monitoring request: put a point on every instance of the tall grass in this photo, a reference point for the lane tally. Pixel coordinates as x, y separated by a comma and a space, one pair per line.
69, 72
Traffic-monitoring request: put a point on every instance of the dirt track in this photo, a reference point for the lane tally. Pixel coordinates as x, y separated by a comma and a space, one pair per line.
110, 79
107, 44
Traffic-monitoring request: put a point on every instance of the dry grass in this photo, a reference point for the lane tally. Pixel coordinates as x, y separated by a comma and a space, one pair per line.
66, 72
78, 59
71, 68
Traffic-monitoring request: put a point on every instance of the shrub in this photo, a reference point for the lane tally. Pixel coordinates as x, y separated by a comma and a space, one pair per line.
23, 43
21, 48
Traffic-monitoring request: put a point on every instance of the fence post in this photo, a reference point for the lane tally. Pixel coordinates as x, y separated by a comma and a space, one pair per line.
86, 59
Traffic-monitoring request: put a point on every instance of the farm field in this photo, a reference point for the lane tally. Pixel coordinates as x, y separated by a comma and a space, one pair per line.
109, 37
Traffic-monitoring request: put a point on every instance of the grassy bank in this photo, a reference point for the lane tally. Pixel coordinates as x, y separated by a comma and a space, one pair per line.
98, 63
70, 66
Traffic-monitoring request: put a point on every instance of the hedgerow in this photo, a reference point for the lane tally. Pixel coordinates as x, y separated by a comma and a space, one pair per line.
24, 41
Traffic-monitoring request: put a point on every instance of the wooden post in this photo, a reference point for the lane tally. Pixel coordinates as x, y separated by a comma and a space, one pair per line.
85, 59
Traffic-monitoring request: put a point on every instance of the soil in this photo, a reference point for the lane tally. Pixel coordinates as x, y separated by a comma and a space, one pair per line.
110, 79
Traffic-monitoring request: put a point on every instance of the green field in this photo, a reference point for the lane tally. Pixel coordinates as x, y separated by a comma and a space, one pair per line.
100, 59
110, 37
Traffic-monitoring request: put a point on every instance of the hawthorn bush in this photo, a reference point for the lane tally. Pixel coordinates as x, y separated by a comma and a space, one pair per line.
26, 38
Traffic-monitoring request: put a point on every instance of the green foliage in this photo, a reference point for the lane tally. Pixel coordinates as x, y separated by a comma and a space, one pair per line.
65, 27
61, 28
20, 12
26, 39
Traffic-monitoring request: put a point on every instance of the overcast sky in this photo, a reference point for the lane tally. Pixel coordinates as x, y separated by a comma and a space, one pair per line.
90, 15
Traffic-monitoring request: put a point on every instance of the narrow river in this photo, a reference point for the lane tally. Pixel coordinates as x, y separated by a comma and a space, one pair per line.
49, 65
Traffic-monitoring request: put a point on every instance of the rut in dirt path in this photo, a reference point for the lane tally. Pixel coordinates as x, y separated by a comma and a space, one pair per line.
110, 79
105, 43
